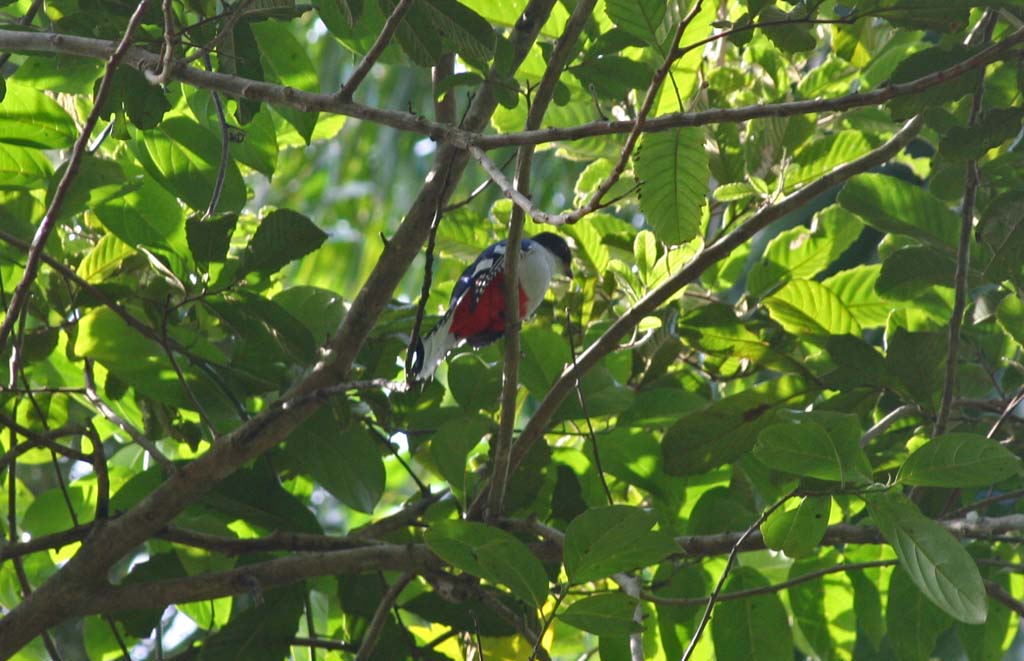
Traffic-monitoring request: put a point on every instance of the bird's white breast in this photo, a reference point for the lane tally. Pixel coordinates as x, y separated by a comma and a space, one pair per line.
536, 268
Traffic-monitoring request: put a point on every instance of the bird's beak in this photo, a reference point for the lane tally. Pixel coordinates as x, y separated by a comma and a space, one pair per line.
567, 269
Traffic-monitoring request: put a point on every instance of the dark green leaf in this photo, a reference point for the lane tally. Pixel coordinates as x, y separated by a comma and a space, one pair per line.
993, 129
959, 459
913, 622
492, 554
923, 63
346, 462
474, 384
1002, 231
792, 38
613, 76
255, 495
21, 167
752, 628
798, 531
606, 540
283, 236
209, 240
808, 449
320, 310
918, 360
451, 443
726, 429
933, 558
462, 29
603, 615
262, 633
908, 272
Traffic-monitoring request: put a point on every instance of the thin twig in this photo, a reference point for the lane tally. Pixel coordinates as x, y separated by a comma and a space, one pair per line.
767, 589
880, 427
381, 615
163, 75
999, 593
324, 644
583, 408
963, 253
376, 50
225, 140
1007, 411
49, 221
725, 573
110, 414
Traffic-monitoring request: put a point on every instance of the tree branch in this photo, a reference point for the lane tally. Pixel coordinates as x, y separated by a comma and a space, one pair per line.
48, 42
560, 55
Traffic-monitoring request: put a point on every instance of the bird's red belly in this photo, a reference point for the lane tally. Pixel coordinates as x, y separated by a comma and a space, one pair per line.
488, 315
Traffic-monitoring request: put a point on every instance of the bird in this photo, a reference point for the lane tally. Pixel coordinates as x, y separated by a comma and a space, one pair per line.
476, 311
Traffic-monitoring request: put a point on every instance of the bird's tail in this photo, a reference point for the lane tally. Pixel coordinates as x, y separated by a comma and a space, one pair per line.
432, 348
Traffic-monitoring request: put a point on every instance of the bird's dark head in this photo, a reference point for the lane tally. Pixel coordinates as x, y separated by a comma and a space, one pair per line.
557, 246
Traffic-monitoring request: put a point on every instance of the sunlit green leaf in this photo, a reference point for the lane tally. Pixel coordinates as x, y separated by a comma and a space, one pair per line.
959, 459
673, 170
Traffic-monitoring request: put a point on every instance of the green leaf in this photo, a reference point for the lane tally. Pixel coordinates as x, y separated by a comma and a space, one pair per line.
491, 554
923, 63
867, 605
603, 615
645, 19
1010, 316
809, 449
993, 129
645, 253
959, 459
908, 272
936, 562
104, 259
726, 429
451, 443
142, 213
320, 310
346, 462
673, 170
918, 360
474, 384
803, 252
891, 205
605, 540
465, 31
753, 628
913, 622
792, 38
21, 167
282, 236
255, 495
612, 76
856, 289
798, 531
807, 307
58, 73
285, 61
209, 240
809, 600
1002, 231
262, 633
820, 156
29, 118
545, 354
184, 158
423, 46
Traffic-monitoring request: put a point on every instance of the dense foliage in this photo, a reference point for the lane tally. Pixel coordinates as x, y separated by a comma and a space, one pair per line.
774, 413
